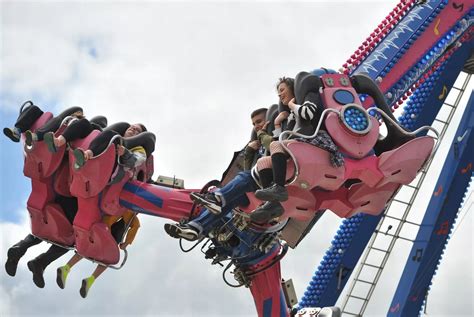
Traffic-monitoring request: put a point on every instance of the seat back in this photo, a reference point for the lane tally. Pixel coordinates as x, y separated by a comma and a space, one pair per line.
97, 243
51, 224
402, 164
62, 178
315, 169
365, 169
369, 200
39, 162
110, 200
92, 178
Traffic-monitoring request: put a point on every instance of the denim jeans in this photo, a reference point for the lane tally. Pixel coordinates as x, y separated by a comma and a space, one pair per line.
232, 195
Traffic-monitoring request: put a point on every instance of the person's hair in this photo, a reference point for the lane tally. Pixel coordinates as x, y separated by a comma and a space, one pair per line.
79, 114
257, 112
290, 82
142, 126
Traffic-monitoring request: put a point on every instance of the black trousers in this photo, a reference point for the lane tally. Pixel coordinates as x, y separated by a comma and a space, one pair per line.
78, 129
31, 113
54, 123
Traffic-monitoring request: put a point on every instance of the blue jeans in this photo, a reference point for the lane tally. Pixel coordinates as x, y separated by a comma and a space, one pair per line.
232, 195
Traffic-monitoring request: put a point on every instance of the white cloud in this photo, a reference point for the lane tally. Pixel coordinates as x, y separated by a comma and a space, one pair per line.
192, 72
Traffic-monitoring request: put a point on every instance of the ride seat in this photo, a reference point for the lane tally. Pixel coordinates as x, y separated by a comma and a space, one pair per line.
51, 224
110, 200
369, 200
97, 243
92, 178
315, 169
402, 164
39, 162
62, 178
336, 201
366, 170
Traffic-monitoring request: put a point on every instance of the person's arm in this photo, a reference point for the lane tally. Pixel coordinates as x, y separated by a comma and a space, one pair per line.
133, 157
109, 220
265, 139
306, 111
249, 153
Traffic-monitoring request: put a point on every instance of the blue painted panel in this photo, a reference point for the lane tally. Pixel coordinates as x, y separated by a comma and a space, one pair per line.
394, 45
438, 221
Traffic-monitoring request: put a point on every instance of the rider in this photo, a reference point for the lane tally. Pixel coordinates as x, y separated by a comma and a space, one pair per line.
117, 225
77, 129
100, 143
233, 193
130, 158
309, 113
28, 116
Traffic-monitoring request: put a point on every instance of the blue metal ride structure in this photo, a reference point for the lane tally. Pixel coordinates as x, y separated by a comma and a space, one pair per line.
428, 81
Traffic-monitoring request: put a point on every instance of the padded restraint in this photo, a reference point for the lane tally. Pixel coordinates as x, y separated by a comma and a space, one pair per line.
365, 85
307, 89
99, 122
145, 139
119, 127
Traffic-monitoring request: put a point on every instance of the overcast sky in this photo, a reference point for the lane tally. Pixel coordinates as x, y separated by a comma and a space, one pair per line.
192, 72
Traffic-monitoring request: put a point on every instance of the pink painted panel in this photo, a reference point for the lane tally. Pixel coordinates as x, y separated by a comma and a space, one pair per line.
402, 164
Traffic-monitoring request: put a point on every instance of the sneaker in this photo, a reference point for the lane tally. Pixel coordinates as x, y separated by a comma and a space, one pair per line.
273, 193
266, 212
37, 271
61, 275
48, 138
178, 231
30, 137
86, 285
208, 200
13, 256
12, 133
79, 158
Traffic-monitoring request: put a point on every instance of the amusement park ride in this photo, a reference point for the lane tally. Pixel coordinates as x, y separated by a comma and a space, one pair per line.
413, 57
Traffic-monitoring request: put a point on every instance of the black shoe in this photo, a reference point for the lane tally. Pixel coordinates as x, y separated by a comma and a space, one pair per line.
48, 138
209, 201
273, 193
37, 271
12, 134
181, 231
266, 212
13, 256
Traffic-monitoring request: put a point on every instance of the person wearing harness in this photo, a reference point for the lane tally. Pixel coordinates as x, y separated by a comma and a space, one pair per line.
77, 129
307, 115
222, 201
129, 157
29, 114
233, 193
117, 225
